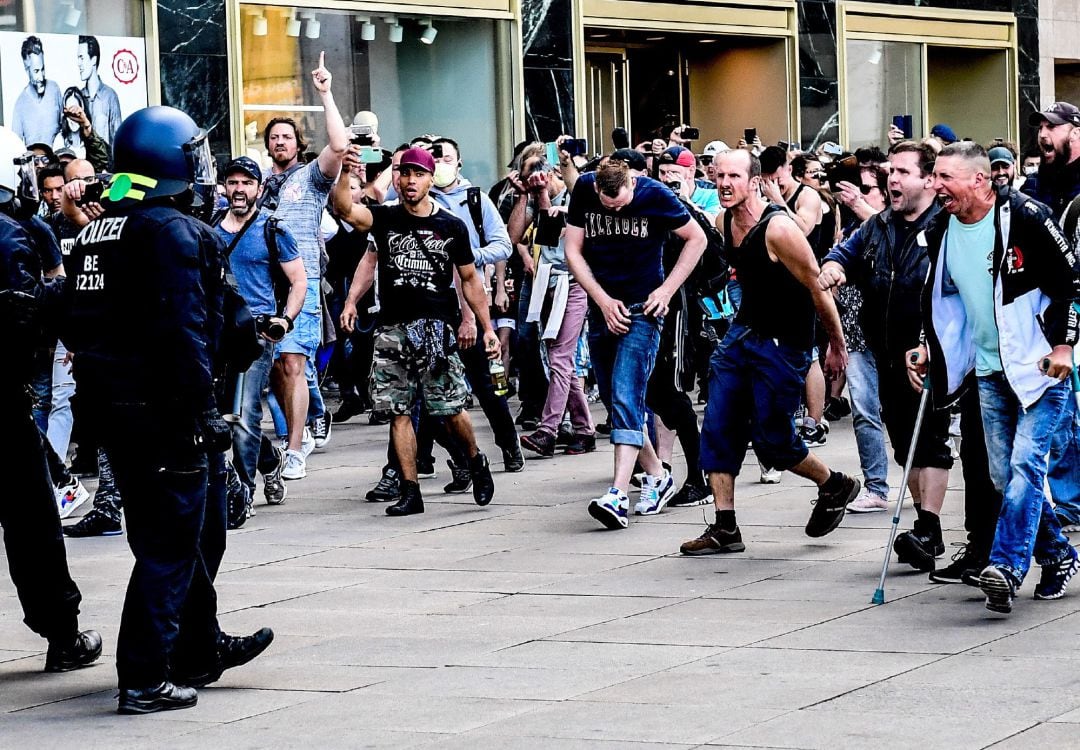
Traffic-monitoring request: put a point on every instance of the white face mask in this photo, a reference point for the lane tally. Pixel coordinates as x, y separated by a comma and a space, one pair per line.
1030, 170
445, 174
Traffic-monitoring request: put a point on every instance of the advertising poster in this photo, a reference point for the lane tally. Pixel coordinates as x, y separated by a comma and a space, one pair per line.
43, 73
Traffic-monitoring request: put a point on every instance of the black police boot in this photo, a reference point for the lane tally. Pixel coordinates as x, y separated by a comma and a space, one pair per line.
163, 697
232, 651
80, 651
410, 502
460, 479
388, 488
513, 460
483, 485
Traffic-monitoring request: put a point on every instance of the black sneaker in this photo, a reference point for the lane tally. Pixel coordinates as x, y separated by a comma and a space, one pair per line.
919, 548
527, 422
378, 417
999, 587
1055, 578
965, 560
830, 508
714, 541
564, 438
690, 494
604, 428
82, 651
350, 407
94, 523
836, 408
460, 479
321, 429
425, 468
541, 443
388, 488
483, 485
815, 436
513, 460
580, 445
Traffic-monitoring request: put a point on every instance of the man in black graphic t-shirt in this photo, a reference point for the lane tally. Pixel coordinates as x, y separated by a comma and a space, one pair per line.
416, 247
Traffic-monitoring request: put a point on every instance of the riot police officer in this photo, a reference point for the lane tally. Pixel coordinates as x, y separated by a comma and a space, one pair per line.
28, 514
145, 323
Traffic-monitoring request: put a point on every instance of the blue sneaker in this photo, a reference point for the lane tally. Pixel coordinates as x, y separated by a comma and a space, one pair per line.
655, 494
612, 509
1055, 577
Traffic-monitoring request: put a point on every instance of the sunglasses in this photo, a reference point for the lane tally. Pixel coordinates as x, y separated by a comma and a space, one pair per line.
865, 189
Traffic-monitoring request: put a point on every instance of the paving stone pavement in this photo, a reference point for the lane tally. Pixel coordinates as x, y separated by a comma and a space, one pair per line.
524, 625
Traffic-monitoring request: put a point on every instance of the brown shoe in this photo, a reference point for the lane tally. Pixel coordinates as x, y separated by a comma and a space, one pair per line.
714, 541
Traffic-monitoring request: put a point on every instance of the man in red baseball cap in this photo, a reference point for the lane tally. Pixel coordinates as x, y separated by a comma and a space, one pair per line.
416, 247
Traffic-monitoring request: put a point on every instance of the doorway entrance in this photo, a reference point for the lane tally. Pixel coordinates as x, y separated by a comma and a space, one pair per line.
720, 84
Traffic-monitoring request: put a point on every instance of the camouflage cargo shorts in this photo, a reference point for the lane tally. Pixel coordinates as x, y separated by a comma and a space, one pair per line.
400, 374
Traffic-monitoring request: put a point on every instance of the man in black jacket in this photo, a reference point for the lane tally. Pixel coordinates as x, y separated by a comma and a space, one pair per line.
886, 259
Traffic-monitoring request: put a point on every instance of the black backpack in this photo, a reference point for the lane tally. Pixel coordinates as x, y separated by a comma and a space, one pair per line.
271, 230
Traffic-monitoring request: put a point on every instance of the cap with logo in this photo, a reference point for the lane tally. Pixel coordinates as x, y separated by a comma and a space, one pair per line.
1000, 154
1058, 113
418, 158
678, 155
244, 164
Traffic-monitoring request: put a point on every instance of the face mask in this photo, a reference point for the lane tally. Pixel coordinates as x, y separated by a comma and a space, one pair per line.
1030, 170
445, 174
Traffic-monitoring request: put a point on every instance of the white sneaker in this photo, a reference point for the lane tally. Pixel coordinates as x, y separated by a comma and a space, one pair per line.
295, 465
307, 443
611, 509
868, 502
70, 496
655, 493
769, 475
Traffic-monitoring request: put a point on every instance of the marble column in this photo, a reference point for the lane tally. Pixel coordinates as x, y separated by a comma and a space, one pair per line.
547, 39
194, 64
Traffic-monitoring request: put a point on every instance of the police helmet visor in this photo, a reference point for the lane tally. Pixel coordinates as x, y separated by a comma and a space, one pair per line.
201, 158
27, 177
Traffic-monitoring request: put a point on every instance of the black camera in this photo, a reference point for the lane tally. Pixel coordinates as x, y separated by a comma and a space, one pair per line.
362, 135
575, 146
691, 134
436, 151
93, 190
268, 326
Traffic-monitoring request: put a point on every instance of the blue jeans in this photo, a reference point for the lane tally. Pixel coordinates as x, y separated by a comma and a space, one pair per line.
1018, 445
251, 451
316, 405
1064, 474
626, 362
862, 380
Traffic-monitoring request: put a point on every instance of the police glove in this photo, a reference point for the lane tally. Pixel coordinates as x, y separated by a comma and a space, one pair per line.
215, 432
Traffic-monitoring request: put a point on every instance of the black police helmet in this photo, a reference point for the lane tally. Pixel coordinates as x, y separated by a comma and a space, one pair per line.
159, 151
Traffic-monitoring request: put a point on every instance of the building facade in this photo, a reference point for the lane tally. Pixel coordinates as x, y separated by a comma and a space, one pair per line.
492, 72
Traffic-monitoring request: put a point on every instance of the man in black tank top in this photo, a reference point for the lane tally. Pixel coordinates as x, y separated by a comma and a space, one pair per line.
758, 370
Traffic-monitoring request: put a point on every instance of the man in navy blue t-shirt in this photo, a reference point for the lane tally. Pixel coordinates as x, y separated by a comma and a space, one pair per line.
616, 227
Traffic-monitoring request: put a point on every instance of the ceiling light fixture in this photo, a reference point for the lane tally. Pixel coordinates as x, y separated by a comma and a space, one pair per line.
397, 33
429, 33
314, 28
258, 26
292, 26
367, 28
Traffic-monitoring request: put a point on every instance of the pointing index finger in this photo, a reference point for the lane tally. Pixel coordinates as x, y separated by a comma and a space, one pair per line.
322, 59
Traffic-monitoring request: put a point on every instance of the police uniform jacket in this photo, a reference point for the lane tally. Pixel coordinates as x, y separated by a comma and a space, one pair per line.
145, 308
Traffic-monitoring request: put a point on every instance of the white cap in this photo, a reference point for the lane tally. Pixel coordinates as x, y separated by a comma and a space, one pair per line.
712, 148
364, 117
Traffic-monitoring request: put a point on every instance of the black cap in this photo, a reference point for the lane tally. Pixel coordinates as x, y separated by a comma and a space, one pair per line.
243, 164
1057, 113
631, 157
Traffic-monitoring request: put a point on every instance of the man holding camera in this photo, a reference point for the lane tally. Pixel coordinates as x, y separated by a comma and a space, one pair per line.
255, 242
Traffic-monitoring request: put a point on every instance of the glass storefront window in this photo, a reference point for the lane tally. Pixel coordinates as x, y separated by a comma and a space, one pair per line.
448, 87
104, 17
886, 79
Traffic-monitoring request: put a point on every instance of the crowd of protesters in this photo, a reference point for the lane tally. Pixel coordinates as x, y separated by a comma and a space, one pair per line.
764, 280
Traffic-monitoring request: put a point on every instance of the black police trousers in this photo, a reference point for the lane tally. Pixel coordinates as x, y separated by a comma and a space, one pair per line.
32, 537
169, 619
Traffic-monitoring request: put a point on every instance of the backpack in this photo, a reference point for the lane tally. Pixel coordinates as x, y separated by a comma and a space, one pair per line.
713, 272
476, 211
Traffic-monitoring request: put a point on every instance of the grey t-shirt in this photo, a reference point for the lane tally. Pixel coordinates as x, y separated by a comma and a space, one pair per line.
300, 207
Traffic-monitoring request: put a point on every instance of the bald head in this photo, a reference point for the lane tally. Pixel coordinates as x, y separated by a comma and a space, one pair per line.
78, 169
